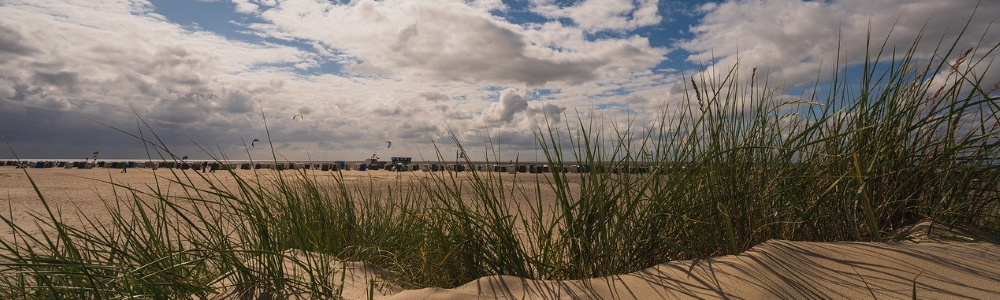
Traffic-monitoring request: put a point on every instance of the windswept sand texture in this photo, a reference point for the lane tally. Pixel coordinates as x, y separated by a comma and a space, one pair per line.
776, 269
939, 268
948, 264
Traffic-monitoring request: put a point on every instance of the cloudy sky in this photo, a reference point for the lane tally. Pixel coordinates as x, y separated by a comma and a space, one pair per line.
363, 72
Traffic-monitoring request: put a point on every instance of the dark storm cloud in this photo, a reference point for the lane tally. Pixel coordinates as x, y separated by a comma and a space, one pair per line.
39, 132
65, 80
11, 44
24, 91
236, 102
68, 66
186, 109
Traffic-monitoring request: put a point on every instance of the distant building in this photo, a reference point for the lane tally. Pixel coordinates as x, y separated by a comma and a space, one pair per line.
401, 160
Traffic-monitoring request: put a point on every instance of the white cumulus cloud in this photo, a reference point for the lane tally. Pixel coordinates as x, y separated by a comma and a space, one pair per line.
453, 41
792, 40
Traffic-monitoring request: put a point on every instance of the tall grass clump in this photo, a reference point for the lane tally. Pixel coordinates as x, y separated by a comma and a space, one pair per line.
137, 254
908, 140
905, 140
191, 236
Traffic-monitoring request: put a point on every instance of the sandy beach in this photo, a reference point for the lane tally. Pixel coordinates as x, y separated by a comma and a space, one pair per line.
948, 264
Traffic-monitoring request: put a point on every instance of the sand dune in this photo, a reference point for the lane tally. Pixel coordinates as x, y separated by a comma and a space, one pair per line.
777, 269
948, 264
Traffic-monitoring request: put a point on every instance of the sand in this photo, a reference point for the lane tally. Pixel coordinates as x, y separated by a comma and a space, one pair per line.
950, 264
775, 270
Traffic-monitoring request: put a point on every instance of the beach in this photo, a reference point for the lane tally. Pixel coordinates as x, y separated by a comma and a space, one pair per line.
947, 264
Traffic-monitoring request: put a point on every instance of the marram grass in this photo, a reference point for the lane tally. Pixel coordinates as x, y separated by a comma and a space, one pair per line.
736, 166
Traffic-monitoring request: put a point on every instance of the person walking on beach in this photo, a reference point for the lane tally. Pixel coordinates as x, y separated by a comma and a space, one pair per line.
124, 167
204, 166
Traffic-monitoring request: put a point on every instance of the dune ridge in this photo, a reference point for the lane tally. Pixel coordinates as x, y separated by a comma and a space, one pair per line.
951, 263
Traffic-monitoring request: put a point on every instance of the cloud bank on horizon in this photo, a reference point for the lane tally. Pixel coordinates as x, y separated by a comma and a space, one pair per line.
362, 72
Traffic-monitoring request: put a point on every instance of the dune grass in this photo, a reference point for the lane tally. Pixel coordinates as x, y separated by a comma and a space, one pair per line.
738, 165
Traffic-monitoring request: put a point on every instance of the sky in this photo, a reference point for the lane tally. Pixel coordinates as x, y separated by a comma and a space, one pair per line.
336, 80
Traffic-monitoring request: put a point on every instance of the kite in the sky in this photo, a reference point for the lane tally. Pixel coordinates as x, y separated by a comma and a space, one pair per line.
300, 116
388, 144
254, 143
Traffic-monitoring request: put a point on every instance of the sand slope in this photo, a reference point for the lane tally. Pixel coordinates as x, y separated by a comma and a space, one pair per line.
776, 269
